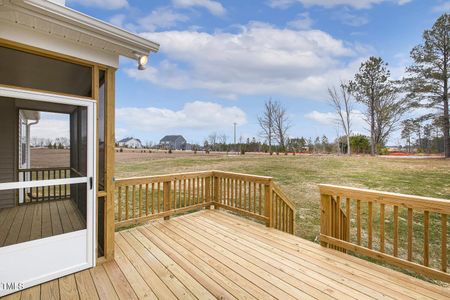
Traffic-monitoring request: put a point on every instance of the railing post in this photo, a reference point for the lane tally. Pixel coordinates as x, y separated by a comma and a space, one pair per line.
166, 197
208, 191
216, 191
268, 206
325, 216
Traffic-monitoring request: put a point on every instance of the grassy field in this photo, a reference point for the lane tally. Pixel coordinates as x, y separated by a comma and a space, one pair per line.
299, 175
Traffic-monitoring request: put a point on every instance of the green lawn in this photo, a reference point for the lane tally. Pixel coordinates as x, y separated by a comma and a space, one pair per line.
299, 175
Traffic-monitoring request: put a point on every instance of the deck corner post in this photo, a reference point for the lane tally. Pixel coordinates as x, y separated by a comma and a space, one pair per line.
208, 192
166, 198
216, 191
325, 212
268, 205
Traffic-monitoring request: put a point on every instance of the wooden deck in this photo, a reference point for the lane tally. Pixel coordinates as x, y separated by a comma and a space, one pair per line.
213, 254
38, 220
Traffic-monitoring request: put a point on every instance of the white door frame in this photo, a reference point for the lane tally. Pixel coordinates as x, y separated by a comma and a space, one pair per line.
72, 262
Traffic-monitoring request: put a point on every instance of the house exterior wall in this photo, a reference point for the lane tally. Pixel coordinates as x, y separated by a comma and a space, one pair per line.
8, 136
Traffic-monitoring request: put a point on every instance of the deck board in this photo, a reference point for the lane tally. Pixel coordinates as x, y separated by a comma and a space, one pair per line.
213, 254
33, 221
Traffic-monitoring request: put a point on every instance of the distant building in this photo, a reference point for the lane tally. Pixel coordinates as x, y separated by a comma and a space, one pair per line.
174, 142
130, 142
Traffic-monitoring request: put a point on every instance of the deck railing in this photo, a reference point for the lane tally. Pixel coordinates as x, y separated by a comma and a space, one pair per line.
141, 199
44, 193
407, 231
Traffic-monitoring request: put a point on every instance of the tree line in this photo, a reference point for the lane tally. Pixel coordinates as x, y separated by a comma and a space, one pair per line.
387, 101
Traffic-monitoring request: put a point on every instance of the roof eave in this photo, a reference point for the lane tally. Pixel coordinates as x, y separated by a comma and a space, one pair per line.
133, 44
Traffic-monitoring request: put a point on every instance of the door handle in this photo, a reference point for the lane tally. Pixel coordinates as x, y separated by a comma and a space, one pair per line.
91, 183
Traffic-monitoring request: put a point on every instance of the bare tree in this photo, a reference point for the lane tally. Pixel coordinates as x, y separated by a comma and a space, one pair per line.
342, 103
281, 125
212, 140
266, 123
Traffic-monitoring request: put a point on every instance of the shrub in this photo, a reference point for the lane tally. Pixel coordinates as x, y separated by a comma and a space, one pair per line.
170, 151
121, 150
242, 151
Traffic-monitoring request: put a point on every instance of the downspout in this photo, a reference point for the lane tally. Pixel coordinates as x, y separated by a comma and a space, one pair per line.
28, 142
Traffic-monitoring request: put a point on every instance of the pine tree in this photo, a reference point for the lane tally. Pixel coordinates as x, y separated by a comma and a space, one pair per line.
428, 77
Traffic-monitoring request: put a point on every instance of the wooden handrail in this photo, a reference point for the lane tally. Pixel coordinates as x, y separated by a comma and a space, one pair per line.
352, 219
140, 199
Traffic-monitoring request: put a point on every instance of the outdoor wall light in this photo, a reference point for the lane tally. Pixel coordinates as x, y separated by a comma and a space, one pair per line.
142, 61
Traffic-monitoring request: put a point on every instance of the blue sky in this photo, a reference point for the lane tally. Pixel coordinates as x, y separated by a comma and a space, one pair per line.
220, 60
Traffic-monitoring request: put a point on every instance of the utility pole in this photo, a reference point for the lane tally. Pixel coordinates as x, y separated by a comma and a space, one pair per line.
235, 134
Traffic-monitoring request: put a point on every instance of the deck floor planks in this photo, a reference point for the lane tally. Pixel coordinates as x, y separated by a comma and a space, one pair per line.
166, 276
68, 288
290, 275
85, 285
38, 220
338, 278
180, 274
150, 277
363, 268
102, 283
136, 281
120, 282
50, 290
213, 254
212, 280
267, 281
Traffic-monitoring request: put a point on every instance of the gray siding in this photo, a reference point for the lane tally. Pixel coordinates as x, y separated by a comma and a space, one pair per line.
8, 139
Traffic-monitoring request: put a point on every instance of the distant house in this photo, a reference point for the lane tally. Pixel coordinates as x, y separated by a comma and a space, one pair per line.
174, 142
130, 142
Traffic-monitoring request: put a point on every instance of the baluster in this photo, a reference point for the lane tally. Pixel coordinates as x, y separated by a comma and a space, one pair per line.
249, 196
369, 221
153, 198
338, 217
254, 197
184, 192
395, 231
240, 193
133, 201
175, 194
444, 242
119, 204
426, 221
358, 221
260, 198
159, 197
347, 212
140, 200
382, 228
410, 233
126, 203
59, 188
166, 197
198, 190
146, 199
179, 193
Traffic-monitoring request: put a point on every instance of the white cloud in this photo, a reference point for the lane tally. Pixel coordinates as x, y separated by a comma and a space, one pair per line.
214, 7
51, 126
303, 21
332, 118
442, 7
193, 115
358, 4
350, 19
162, 17
258, 60
105, 4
